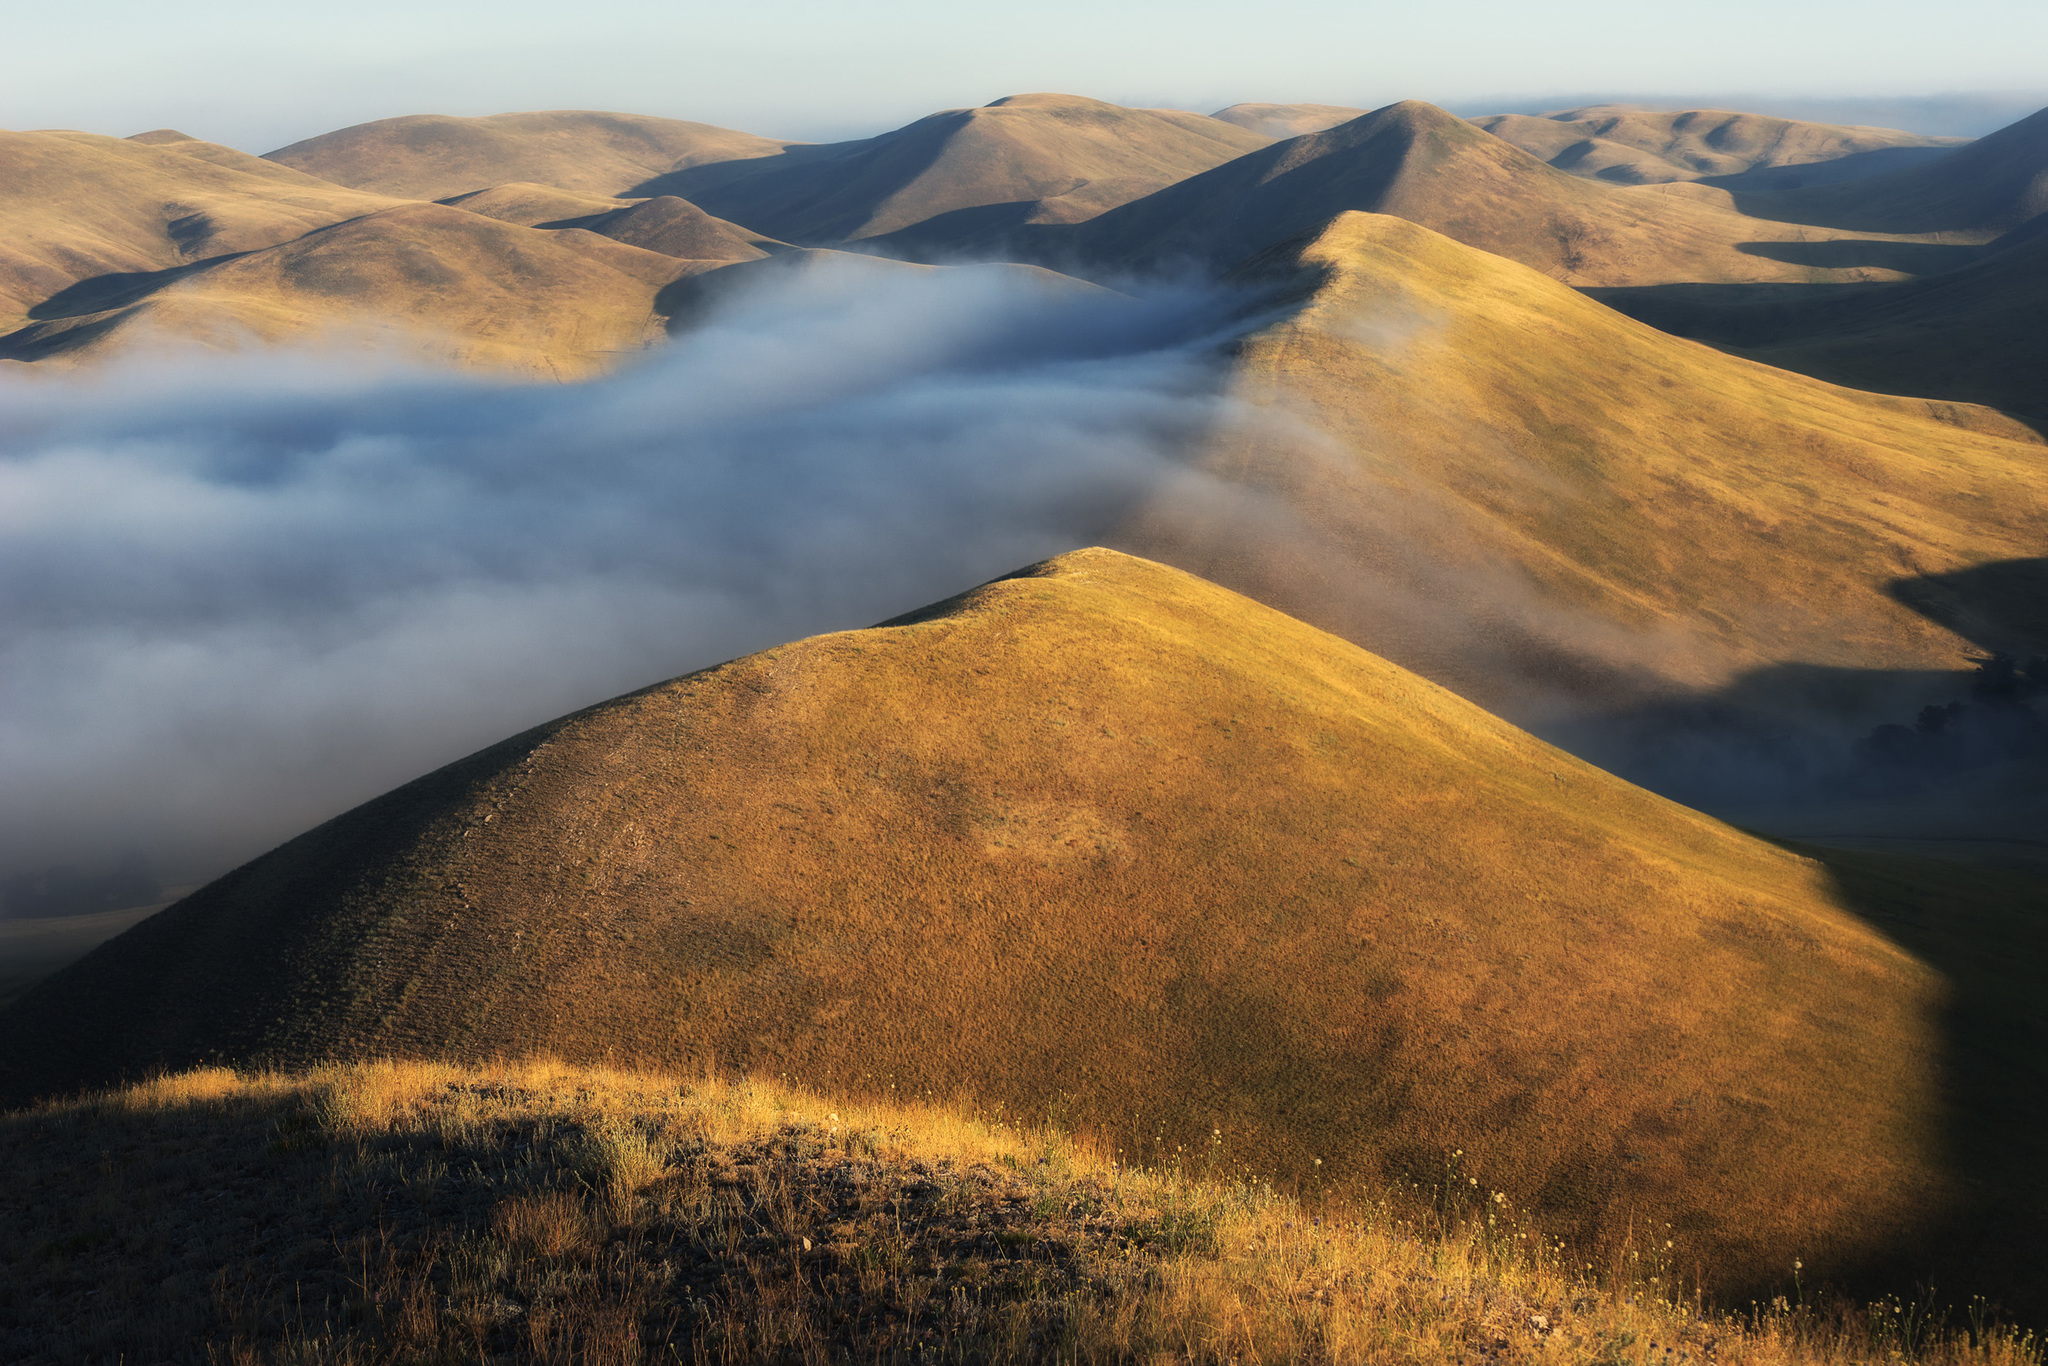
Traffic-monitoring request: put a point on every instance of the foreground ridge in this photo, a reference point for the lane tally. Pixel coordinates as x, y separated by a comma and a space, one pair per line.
382, 1211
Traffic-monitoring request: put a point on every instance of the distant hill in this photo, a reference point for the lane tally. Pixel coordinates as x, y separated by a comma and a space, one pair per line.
1287, 120
1105, 838
452, 286
1496, 481
1992, 186
435, 156
966, 176
1630, 145
79, 211
1415, 161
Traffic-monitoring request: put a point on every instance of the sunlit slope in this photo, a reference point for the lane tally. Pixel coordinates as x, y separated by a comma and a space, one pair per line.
1026, 159
1634, 146
434, 156
1105, 841
531, 205
1991, 186
1973, 334
77, 208
1489, 477
666, 224
1415, 161
1287, 120
451, 286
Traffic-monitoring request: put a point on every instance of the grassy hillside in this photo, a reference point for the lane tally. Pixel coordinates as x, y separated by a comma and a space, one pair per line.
433, 156
79, 213
542, 1213
1106, 842
1414, 161
452, 286
1971, 334
1991, 186
1287, 120
1634, 146
966, 176
1492, 479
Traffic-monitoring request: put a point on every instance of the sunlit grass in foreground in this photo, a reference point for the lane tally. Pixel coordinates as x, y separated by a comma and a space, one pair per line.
411, 1212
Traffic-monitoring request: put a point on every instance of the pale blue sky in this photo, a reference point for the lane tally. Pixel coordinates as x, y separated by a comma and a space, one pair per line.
258, 75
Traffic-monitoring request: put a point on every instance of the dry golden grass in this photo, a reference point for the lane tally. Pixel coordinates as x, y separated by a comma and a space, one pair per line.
422, 279
1107, 842
1287, 120
386, 1213
1632, 146
1414, 161
433, 156
76, 206
967, 173
1488, 477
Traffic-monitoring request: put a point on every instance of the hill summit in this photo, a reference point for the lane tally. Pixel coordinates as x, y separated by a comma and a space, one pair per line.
1104, 839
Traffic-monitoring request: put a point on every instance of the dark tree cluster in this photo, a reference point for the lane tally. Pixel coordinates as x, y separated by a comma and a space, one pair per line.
1997, 723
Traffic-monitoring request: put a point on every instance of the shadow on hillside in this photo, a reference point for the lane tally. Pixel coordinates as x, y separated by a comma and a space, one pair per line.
1925, 796
1984, 928
1855, 166
1912, 258
102, 293
1943, 336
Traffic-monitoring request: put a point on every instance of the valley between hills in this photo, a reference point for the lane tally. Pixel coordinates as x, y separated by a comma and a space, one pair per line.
1566, 729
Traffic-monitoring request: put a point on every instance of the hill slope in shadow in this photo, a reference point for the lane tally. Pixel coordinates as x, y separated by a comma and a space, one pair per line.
1105, 840
1630, 145
1973, 334
1992, 186
963, 179
1414, 161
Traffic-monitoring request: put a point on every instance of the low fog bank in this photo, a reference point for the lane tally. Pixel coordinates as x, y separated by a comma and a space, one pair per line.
241, 594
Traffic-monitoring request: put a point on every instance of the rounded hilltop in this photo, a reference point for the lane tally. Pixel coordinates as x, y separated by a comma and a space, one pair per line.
1103, 841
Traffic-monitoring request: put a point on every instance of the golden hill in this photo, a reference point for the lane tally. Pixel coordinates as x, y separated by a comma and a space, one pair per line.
1635, 146
1106, 842
1973, 334
1287, 120
532, 206
671, 226
448, 285
968, 175
1415, 161
80, 212
432, 156
1975, 193
1492, 479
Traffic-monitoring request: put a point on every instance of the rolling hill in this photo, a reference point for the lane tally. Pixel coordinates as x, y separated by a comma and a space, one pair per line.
433, 156
1415, 161
1992, 186
964, 179
1972, 334
1287, 120
1630, 145
1494, 480
1105, 841
80, 214
425, 279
